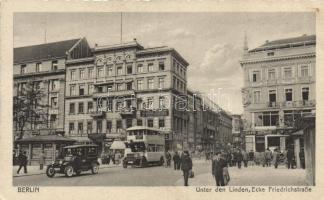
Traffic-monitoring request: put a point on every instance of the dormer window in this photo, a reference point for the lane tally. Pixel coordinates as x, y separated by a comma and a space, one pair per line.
270, 53
54, 65
23, 69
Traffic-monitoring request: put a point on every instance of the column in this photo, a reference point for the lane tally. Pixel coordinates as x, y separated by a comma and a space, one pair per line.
265, 141
29, 153
296, 151
282, 143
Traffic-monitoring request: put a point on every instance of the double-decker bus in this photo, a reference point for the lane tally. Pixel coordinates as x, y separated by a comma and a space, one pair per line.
144, 145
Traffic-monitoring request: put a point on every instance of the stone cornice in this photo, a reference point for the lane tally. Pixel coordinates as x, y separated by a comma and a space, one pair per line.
279, 58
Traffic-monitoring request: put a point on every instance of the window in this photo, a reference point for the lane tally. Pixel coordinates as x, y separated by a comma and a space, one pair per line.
272, 96
161, 83
305, 94
287, 72
161, 123
110, 70
80, 108
150, 103
304, 71
100, 72
90, 106
119, 70
73, 75
129, 69
55, 84
23, 69
129, 123
266, 119
150, 83
72, 108
139, 122
150, 67
71, 128
53, 121
99, 126
271, 74
72, 90
288, 93
82, 74
161, 66
38, 67
119, 125
89, 127
129, 85
80, 128
150, 123
54, 102
109, 126
270, 53
140, 68
81, 90
90, 89
119, 105
139, 103
174, 82
256, 76
161, 102
139, 84
256, 96
91, 74
54, 65
100, 89
119, 86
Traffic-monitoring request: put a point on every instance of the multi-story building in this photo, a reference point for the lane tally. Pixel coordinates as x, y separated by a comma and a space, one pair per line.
43, 67
125, 85
279, 87
237, 132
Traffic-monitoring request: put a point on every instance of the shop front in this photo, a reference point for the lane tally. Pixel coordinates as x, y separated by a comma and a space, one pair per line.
51, 145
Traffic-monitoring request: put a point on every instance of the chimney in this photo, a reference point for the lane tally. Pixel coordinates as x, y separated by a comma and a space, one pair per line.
267, 41
135, 40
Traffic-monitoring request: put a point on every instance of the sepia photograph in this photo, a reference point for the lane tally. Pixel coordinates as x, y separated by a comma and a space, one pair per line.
163, 99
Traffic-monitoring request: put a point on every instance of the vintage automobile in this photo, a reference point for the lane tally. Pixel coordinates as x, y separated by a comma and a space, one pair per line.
74, 160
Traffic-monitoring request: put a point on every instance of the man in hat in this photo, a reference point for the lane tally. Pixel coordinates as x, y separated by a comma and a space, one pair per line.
186, 166
217, 169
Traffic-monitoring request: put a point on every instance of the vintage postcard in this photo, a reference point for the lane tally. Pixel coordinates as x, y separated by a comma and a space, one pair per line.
187, 100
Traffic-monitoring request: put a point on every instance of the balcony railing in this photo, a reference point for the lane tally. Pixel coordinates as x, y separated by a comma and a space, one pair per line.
113, 93
285, 104
97, 113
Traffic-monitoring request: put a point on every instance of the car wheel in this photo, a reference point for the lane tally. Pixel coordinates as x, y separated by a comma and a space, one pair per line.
95, 168
143, 162
50, 171
69, 171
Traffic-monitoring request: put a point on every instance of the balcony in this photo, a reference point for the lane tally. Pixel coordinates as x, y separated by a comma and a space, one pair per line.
53, 111
273, 105
127, 111
113, 94
97, 113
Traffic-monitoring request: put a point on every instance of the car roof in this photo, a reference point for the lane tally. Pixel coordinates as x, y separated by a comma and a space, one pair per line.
80, 145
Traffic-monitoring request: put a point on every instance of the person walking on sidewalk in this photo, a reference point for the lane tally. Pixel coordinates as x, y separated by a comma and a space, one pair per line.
22, 159
168, 159
268, 156
186, 166
176, 161
239, 158
217, 169
290, 156
251, 158
275, 158
41, 160
245, 158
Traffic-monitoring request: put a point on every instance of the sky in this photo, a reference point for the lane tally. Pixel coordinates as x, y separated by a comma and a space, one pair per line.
212, 43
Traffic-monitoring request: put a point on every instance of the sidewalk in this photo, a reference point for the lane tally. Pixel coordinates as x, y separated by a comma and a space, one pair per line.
254, 176
34, 170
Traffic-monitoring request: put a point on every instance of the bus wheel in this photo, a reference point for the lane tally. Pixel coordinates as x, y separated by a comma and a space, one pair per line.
143, 162
161, 162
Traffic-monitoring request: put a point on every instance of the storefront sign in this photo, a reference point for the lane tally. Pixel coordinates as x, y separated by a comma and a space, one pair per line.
154, 113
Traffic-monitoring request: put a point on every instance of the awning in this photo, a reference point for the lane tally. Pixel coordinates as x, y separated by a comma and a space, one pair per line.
118, 145
81, 139
46, 138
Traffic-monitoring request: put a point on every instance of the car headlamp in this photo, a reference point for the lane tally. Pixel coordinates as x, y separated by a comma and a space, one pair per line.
53, 162
61, 162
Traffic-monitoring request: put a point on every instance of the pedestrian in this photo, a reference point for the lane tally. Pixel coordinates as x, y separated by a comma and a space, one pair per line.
275, 158
290, 156
233, 159
168, 159
176, 161
22, 159
302, 158
268, 156
218, 165
263, 158
245, 158
239, 159
41, 160
251, 158
186, 166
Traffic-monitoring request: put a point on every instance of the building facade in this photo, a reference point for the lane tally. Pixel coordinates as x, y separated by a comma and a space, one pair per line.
41, 68
279, 88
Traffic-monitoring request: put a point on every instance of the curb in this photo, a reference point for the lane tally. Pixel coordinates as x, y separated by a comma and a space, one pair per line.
40, 173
